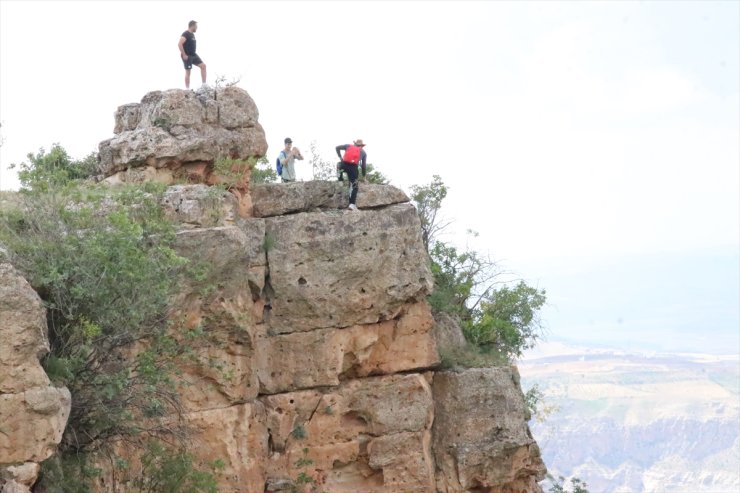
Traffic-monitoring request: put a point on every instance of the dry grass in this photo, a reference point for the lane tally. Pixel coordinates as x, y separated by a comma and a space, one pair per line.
9, 200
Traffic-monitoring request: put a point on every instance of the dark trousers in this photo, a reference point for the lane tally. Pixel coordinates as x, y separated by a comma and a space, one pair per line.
352, 174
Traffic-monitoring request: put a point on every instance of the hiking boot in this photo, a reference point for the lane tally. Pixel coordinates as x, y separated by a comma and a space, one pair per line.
352, 207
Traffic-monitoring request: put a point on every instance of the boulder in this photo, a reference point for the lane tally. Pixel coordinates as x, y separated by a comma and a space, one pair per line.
19, 478
222, 305
200, 206
338, 269
275, 199
324, 357
184, 132
23, 329
33, 414
237, 436
369, 435
481, 439
32, 423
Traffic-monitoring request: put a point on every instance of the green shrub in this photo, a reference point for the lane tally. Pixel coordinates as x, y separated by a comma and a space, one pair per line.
263, 172
168, 470
497, 318
233, 171
559, 485
507, 320
103, 262
48, 170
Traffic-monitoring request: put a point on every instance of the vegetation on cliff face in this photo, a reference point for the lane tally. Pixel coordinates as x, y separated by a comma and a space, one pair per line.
103, 262
498, 319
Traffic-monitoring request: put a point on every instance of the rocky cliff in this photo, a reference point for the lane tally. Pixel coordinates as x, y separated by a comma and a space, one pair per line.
326, 364
33, 413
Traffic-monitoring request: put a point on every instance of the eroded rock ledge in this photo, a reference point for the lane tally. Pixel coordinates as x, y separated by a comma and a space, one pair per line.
321, 355
33, 413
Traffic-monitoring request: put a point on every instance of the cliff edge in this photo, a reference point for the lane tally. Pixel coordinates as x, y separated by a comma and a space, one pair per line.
328, 365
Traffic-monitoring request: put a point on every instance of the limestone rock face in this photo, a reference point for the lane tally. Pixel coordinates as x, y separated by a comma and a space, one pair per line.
275, 199
183, 133
236, 435
222, 372
24, 340
326, 357
369, 435
33, 414
341, 269
316, 363
481, 439
196, 206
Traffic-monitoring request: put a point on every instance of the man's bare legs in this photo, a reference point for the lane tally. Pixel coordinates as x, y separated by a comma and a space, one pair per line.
202, 67
187, 79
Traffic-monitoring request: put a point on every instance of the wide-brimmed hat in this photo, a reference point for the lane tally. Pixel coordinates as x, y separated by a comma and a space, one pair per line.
359, 143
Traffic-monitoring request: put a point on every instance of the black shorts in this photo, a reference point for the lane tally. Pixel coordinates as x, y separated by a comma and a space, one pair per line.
192, 60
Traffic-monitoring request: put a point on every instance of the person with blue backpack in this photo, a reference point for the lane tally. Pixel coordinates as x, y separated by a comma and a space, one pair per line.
285, 164
354, 157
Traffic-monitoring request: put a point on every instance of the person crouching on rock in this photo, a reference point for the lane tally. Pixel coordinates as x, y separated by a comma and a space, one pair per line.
354, 156
287, 160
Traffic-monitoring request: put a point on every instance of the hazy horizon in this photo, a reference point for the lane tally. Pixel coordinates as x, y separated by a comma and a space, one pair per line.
594, 146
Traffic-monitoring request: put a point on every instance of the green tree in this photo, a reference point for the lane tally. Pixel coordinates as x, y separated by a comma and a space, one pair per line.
105, 265
496, 317
263, 172
49, 170
374, 176
104, 262
428, 200
321, 168
559, 485
507, 320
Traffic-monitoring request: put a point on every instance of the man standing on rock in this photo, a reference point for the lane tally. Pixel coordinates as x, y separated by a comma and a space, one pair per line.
188, 54
287, 160
354, 156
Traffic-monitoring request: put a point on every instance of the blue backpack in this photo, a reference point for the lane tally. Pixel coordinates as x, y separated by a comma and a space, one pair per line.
278, 166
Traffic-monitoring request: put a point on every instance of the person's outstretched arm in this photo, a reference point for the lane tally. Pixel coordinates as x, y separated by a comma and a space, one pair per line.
363, 156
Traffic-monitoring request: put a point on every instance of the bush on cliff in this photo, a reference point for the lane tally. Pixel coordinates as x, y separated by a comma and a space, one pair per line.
49, 170
103, 262
498, 318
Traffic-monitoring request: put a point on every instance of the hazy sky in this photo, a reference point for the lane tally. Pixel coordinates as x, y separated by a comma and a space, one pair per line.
568, 132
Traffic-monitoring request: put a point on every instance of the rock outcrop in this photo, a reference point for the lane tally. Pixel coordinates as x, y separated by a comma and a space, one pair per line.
481, 438
319, 365
179, 133
33, 413
325, 346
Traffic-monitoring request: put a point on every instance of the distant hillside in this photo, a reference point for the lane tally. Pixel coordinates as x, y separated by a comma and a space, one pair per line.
630, 423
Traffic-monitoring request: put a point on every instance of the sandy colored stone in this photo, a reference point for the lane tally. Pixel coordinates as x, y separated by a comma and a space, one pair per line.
481, 439
18, 478
447, 333
32, 423
172, 128
24, 474
237, 436
325, 357
337, 269
222, 306
22, 332
349, 432
275, 199
200, 206
406, 461
141, 175
14, 487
